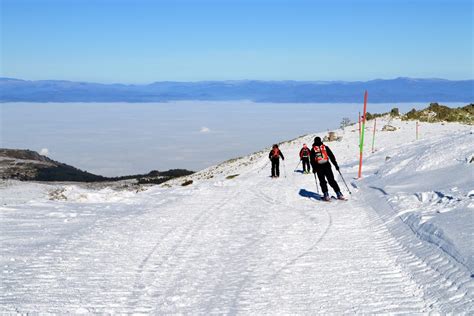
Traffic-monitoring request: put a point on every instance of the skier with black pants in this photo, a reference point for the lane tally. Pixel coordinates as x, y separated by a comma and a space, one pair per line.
304, 156
274, 157
320, 157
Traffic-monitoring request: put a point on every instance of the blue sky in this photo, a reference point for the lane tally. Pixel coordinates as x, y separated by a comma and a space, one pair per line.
144, 41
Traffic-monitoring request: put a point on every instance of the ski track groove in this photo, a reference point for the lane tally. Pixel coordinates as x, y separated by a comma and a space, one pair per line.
271, 200
184, 242
290, 255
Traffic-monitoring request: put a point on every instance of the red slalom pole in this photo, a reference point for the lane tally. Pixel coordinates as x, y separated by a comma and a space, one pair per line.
362, 134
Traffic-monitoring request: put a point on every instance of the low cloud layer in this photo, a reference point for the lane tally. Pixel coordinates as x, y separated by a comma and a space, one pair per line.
44, 151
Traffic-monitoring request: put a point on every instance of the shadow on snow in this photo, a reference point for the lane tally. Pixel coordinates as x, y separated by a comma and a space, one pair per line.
309, 194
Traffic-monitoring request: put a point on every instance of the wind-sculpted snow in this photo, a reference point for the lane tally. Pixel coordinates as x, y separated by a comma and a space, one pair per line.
429, 187
236, 241
75, 193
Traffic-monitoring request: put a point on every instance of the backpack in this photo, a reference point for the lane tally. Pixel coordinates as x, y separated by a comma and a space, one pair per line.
305, 152
275, 153
321, 156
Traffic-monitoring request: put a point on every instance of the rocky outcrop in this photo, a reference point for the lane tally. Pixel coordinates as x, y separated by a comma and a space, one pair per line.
389, 128
440, 113
23, 164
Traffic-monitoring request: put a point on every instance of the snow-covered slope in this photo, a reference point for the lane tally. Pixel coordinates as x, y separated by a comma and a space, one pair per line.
237, 241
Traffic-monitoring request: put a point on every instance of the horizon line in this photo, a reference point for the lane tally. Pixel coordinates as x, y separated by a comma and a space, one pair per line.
238, 80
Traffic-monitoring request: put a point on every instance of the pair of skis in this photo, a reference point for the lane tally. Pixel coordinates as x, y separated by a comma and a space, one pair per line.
333, 198
338, 198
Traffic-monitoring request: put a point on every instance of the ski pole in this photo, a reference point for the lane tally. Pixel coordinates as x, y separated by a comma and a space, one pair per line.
344, 181
284, 167
316, 180
297, 165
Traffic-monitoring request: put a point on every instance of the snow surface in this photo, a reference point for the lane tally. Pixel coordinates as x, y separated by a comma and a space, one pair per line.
249, 244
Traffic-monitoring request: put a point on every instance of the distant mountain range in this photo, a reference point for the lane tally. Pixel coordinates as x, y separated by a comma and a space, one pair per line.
392, 90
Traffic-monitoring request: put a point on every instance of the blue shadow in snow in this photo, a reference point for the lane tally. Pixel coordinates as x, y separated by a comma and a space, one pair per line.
299, 171
309, 194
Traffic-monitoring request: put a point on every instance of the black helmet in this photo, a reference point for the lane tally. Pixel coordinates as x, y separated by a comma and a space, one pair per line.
317, 141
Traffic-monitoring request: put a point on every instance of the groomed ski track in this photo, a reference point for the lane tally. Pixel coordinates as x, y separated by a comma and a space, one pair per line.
247, 245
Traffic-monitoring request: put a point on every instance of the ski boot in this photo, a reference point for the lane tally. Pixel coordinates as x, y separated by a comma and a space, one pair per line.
340, 196
326, 197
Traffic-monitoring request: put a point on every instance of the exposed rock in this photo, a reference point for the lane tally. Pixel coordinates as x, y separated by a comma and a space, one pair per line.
58, 195
389, 128
331, 137
188, 182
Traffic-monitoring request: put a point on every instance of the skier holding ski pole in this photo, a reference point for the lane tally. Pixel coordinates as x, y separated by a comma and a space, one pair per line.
320, 157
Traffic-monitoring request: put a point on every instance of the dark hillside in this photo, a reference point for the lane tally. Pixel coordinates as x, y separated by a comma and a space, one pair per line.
29, 165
